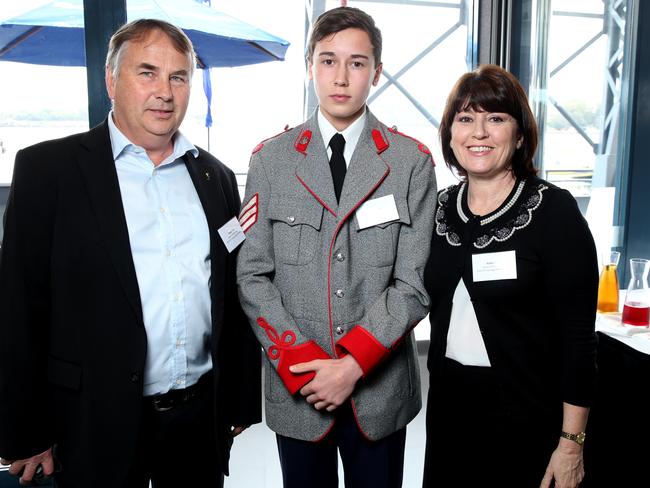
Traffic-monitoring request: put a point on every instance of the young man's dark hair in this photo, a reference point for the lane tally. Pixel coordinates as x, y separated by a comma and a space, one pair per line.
342, 18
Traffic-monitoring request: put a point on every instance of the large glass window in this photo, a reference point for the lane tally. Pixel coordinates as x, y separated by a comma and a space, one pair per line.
39, 103
580, 65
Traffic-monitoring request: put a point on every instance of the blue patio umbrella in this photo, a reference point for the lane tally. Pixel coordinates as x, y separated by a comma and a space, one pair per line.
53, 34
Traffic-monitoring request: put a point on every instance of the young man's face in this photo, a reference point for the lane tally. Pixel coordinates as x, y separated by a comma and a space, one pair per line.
343, 69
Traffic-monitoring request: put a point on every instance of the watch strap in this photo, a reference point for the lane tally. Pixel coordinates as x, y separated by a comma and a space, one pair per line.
578, 438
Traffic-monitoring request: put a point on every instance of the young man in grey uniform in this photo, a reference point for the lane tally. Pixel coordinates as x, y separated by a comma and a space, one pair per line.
330, 273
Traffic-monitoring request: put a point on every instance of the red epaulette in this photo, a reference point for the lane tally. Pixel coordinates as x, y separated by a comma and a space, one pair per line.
421, 145
302, 141
380, 142
259, 147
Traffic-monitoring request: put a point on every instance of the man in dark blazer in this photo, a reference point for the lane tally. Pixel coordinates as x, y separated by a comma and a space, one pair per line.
124, 354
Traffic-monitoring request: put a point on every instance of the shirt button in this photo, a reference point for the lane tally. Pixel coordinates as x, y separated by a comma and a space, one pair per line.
179, 382
168, 253
340, 330
339, 256
291, 219
339, 293
162, 210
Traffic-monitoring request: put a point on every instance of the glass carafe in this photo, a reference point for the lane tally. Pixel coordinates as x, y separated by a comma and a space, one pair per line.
608, 285
636, 310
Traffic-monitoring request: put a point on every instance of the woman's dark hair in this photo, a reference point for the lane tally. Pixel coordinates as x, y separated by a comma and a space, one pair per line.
491, 88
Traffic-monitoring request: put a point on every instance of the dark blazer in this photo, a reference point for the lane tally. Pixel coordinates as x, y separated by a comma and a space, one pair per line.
72, 337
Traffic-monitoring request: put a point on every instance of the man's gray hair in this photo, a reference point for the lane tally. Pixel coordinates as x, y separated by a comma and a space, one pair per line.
139, 29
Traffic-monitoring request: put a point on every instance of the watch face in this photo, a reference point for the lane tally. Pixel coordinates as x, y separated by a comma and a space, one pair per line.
580, 438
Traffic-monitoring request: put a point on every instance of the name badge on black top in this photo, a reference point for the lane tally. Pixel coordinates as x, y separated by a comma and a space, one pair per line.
494, 266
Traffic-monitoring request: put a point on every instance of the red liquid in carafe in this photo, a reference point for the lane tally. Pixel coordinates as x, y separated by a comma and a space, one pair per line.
636, 314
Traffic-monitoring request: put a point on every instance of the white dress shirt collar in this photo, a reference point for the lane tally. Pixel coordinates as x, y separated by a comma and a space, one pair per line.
351, 134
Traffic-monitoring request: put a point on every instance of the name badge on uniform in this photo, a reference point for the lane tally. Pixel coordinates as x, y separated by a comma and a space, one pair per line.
232, 234
377, 211
494, 266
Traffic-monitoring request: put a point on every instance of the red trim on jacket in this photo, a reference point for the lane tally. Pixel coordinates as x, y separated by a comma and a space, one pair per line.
249, 213
288, 355
364, 347
259, 147
421, 146
329, 259
401, 339
356, 418
313, 193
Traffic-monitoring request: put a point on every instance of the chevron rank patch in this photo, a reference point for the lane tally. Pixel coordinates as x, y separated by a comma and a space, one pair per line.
248, 215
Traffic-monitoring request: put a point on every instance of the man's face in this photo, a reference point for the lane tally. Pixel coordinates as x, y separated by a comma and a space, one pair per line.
343, 69
151, 91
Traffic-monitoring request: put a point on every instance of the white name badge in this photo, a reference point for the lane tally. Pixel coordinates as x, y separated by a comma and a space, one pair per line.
494, 266
377, 211
232, 234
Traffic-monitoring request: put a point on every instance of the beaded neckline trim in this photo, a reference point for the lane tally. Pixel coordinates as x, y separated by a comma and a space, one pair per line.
487, 220
499, 233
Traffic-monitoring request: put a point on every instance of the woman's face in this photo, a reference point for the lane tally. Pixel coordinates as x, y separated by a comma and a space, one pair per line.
484, 142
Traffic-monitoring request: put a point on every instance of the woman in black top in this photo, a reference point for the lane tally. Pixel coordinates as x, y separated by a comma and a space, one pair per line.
513, 283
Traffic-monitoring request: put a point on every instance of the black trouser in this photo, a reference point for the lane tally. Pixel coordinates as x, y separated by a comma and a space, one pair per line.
371, 464
176, 446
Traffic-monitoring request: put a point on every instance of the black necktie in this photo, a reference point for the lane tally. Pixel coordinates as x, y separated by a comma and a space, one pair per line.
337, 163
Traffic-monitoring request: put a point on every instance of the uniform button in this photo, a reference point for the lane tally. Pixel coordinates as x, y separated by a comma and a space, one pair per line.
135, 377
339, 293
340, 330
339, 256
291, 219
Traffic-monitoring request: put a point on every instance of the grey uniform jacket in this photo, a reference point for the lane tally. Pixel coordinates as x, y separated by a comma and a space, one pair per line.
315, 286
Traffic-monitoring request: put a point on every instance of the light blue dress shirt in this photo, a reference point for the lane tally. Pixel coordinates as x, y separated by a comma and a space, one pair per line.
170, 244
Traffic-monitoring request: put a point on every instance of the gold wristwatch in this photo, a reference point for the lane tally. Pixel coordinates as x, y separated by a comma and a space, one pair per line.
578, 438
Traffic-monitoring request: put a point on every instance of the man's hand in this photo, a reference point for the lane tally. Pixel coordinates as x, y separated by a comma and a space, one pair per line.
238, 429
25, 468
334, 381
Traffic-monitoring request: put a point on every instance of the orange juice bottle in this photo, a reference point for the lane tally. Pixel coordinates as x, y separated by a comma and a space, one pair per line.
608, 285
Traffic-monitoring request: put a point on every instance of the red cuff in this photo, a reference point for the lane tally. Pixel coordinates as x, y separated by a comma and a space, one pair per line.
299, 354
364, 347
283, 349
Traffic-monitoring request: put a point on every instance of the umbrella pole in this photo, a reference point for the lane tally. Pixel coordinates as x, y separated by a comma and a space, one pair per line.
207, 89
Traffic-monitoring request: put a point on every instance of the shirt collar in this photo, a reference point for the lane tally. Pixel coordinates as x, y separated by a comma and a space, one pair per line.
352, 133
119, 142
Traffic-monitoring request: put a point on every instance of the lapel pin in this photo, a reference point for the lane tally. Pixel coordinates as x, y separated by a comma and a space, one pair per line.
207, 176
